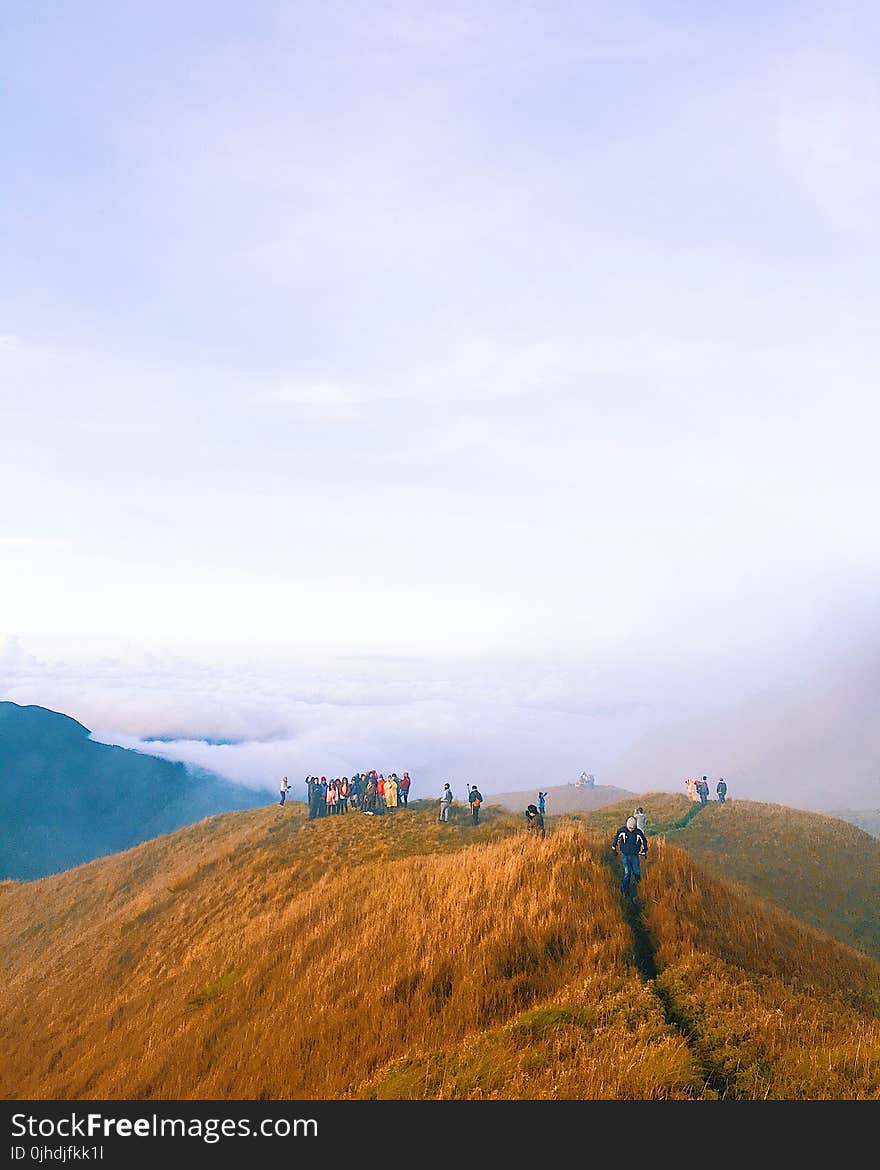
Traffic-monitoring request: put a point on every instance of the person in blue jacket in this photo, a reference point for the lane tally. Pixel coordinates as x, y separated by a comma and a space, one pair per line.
631, 843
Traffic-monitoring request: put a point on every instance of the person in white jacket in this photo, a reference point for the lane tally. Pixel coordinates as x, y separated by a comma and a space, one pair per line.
445, 803
283, 789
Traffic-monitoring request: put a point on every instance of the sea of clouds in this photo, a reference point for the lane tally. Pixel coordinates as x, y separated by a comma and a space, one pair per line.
813, 742
507, 727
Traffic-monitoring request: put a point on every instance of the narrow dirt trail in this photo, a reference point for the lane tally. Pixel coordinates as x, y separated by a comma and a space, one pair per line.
644, 957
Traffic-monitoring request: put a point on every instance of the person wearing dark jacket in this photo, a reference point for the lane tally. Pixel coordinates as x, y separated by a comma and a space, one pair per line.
475, 799
535, 821
721, 790
631, 843
314, 789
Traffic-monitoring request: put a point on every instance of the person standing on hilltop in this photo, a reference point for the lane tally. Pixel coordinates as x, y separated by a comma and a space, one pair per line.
631, 843
391, 791
703, 790
542, 796
534, 822
641, 818
369, 801
283, 788
332, 798
404, 787
721, 790
475, 799
692, 789
314, 788
355, 784
445, 804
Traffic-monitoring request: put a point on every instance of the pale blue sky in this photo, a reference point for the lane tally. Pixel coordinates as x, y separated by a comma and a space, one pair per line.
539, 336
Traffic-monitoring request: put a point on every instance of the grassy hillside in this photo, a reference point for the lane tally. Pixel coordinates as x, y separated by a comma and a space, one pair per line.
261, 955
823, 870
65, 799
564, 798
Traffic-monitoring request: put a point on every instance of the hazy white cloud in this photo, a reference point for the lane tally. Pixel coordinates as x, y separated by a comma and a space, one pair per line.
466, 337
808, 740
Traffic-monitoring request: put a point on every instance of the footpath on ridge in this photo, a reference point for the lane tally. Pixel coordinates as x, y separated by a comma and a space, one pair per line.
644, 955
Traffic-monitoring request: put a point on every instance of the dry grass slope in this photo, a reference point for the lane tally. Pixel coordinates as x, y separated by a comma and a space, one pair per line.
823, 870
258, 955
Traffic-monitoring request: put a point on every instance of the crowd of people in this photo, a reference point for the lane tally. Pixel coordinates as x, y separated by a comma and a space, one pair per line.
373, 793
376, 793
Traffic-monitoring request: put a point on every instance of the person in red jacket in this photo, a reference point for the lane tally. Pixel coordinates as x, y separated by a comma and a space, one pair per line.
404, 787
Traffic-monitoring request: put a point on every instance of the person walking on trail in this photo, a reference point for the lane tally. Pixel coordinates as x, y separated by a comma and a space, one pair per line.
403, 788
475, 799
534, 821
542, 796
721, 790
641, 818
692, 789
283, 789
703, 790
631, 843
445, 804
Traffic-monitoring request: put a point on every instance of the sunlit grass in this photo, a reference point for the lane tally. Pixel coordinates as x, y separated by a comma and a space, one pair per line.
262, 955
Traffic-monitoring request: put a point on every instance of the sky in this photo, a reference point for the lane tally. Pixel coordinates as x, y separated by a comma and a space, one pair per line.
476, 387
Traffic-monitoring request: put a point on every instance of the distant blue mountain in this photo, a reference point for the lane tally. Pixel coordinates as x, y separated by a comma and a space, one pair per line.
65, 799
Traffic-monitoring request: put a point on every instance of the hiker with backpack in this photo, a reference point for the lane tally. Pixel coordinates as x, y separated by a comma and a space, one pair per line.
703, 790
721, 790
475, 799
542, 796
641, 818
631, 843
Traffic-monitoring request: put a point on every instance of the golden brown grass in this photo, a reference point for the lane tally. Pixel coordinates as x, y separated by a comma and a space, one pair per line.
773, 1008
260, 955
824, 870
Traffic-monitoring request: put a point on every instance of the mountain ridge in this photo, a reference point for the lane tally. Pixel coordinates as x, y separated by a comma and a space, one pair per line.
65, 798
401, 958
